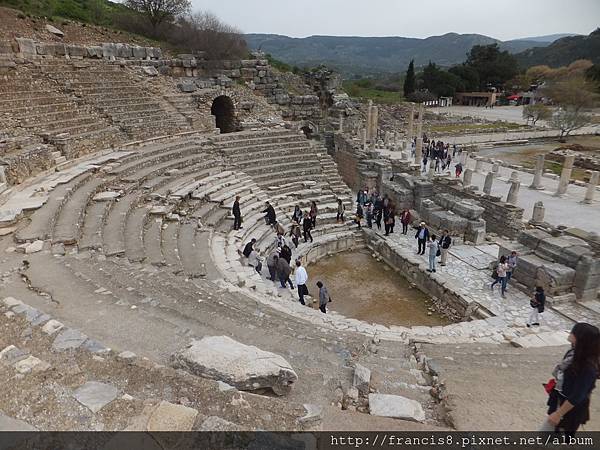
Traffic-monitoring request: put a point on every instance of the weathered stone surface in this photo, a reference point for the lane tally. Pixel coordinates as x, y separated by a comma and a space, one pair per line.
34, 247
76, 51
9, 424
138, 52
55, 31
30, 313
214, 423
26, 46
395, 406
52, 326
106, 196
68, 339
31, 364
170, 417
362, 379
150, 71
94, 346
243, 366
109, 50
187, 87
95, 396
95, 51
11, 355
9, 302
314, 414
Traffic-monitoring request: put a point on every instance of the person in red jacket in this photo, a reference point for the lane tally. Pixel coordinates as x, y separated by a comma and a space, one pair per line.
405, 219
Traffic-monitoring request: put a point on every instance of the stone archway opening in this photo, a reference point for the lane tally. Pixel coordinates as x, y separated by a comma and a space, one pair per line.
308, 132
224, 111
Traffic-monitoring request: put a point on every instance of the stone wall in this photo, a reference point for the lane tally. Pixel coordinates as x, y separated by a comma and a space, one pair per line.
347, 155
27, 163
500, 217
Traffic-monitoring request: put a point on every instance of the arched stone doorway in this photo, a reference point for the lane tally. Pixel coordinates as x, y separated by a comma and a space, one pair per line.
224, 111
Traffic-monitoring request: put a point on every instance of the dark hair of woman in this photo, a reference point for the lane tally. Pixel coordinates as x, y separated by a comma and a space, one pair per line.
587, 347
503, 259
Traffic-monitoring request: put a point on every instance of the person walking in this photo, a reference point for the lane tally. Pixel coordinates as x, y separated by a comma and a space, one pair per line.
359, 215
369, 207
433, 252
255, 261
323, 297
512, 261
537, 303
295, 233
249, 247
501, 275
306, 227
286, 253
313, 213
445, 243
272, 265
280, 240
270, 216
297, 216
458, 169
392, 217
301, 279
283, 272
340, 211
422, 236
574, 379
237, 213
405, 219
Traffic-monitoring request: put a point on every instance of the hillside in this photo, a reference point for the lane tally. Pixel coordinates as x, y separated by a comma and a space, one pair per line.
367, 55
563, 51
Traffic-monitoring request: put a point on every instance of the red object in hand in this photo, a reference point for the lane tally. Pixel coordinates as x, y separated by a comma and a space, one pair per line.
550, 385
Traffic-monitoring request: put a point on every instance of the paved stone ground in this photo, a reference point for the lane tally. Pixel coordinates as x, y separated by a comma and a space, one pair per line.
567, 210
472, 282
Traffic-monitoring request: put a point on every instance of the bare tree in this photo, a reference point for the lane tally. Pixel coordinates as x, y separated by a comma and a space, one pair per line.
536, 112
568, 120
160, 11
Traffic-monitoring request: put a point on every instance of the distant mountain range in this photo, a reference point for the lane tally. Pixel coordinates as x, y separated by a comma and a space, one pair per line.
358, 56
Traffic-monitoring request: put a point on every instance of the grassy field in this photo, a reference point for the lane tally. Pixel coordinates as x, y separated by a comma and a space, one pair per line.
366, 92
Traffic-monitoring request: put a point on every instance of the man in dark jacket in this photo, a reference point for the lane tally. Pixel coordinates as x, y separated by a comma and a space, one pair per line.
422, 236
237, 214
249, 247
270, 216
445, 243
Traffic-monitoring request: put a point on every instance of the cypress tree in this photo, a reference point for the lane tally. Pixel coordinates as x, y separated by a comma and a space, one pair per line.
409, 81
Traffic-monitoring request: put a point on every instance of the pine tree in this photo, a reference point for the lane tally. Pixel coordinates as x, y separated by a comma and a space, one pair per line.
409, 81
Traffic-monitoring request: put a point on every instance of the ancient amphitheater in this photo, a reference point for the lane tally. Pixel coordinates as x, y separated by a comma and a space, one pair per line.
126, 303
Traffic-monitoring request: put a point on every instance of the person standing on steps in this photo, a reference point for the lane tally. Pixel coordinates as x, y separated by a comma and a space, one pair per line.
295, 232
301, 279
237, 214
286, 253
512, 261
433, 252
359, 215
537, 303
445, 243
458, 170
369, 214
422, 236
249, 247
272, 265
297, 216
255, 261
405, 219
501, 275
270, 216
280, 240
313, 213
574, 379
323, 297
283, 272
306, 227
340, 211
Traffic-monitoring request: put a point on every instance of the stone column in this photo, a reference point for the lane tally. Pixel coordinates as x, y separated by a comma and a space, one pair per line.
420, 123
487, 185
496, 169
539, 172
478, 165
369, 119
419, 151
431, 174
467, 178
538, 212
565, 176
374, 123
341, 128
409, 131
363, 135
513, 192
591, 188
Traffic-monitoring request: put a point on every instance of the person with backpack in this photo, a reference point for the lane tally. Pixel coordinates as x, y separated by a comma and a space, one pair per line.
444, 244
574, 379
501, 270
537, 303
323, 297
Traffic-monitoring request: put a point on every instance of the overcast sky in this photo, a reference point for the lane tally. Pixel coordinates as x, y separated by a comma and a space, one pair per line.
503, 19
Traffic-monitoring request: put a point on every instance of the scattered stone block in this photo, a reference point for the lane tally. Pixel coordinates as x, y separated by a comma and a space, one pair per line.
214, 423
170, 417
107, 196
55, 31
95, 396
94, 346
31, 364
26, 46
52, 326
34, 247
68, 339
9, 302
396, 406
362, 379
10, 424
314, 414
150, 71
12, 354
246, 367
30, 313
126, 356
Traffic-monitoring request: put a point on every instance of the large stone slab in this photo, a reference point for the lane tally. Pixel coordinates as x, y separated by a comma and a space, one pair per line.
246, 367
95, 396
362, 379
170, 417
68, 339
395, 406
10, 424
